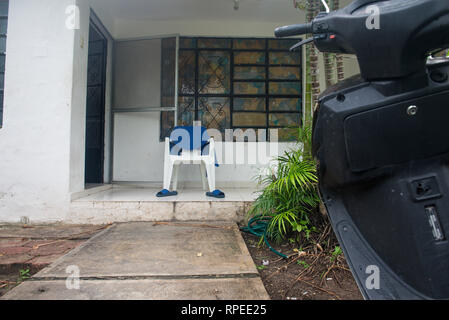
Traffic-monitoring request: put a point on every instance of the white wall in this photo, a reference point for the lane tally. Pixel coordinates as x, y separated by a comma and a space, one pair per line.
42, 138
34, 166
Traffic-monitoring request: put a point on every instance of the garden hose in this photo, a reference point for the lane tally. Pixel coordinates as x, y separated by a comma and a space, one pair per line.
258, 226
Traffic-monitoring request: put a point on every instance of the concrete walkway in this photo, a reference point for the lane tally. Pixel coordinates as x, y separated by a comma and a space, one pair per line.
145, 260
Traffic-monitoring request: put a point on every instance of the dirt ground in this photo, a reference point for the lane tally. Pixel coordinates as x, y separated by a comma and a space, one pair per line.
25, 250
311, 276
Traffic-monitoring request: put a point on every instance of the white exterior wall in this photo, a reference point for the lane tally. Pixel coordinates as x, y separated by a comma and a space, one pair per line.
34, 166
43, 134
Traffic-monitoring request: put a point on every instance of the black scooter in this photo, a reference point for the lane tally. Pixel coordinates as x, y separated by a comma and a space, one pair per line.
381, 140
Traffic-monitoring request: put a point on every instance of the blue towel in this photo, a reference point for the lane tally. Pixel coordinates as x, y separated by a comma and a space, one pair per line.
189, 138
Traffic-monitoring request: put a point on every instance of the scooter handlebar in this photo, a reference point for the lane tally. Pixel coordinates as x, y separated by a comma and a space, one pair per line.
293, 30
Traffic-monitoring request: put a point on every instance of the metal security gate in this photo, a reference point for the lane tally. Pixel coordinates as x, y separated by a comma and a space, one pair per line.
95, 112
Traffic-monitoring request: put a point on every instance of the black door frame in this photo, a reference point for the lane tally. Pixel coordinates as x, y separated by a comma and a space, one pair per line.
92, 24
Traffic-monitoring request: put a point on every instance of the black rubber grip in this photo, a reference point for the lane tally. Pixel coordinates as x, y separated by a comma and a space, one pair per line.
293, 30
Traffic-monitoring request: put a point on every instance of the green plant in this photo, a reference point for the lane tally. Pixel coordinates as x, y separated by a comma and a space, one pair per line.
336, 253
24, 274
303, 263
261, 267
290, 193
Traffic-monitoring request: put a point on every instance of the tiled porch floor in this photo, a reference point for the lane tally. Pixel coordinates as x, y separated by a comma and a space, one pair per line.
126, 204
121, 193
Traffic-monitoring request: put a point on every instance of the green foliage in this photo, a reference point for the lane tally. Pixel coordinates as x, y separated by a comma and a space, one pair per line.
290, 193
24, 274
303, 263
336, 253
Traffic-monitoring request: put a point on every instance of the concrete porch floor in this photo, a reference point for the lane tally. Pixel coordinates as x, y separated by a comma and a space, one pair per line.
127, 204
168, 261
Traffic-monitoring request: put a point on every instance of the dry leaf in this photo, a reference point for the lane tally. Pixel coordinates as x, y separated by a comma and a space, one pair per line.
199, 254
319, 247
300, 253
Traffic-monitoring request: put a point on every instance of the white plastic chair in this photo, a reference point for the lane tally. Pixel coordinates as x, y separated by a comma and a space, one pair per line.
172, 162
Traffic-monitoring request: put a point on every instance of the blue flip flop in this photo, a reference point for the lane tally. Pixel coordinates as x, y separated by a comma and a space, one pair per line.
216, 194
166, 193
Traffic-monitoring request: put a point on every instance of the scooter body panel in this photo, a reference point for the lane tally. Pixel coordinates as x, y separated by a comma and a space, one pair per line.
383, 155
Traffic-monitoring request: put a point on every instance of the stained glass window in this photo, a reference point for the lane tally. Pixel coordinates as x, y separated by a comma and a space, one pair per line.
285, 88
249, 119
249, 57
280, 58
214, 72
186, 111
285, 104
249, 44
215, 113
249, 104
240, 84
214, 43
249, 88
285, 73
284, 119
248, 73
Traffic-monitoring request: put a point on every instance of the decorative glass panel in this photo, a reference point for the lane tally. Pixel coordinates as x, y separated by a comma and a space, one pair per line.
187, 72
249, 57
249, 104
186, 111
215, 113
284, 119
249, 87
249, 44
214, 43
214, 72
167, 123
249, 119
284, 104
287, 134
285, 73
205, 78
3, 25
285, 58
281, 44
288, 88
249, 73
2, 44
187, 43
4, 8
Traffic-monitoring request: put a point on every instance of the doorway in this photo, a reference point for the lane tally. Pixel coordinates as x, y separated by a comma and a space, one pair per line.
95, 106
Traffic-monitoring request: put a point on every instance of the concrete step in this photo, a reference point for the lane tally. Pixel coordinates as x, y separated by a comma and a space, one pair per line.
141, 204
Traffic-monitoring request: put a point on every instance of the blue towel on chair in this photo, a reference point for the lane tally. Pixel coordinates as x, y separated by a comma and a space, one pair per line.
189, 138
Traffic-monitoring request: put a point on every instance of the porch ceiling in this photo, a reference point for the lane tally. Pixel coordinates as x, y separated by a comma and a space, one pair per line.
162, 10
128, 18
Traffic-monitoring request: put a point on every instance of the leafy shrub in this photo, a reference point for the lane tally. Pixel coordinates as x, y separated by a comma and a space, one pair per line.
290, 194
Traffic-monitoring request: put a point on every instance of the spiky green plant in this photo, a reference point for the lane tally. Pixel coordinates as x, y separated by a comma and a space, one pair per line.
290, 193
